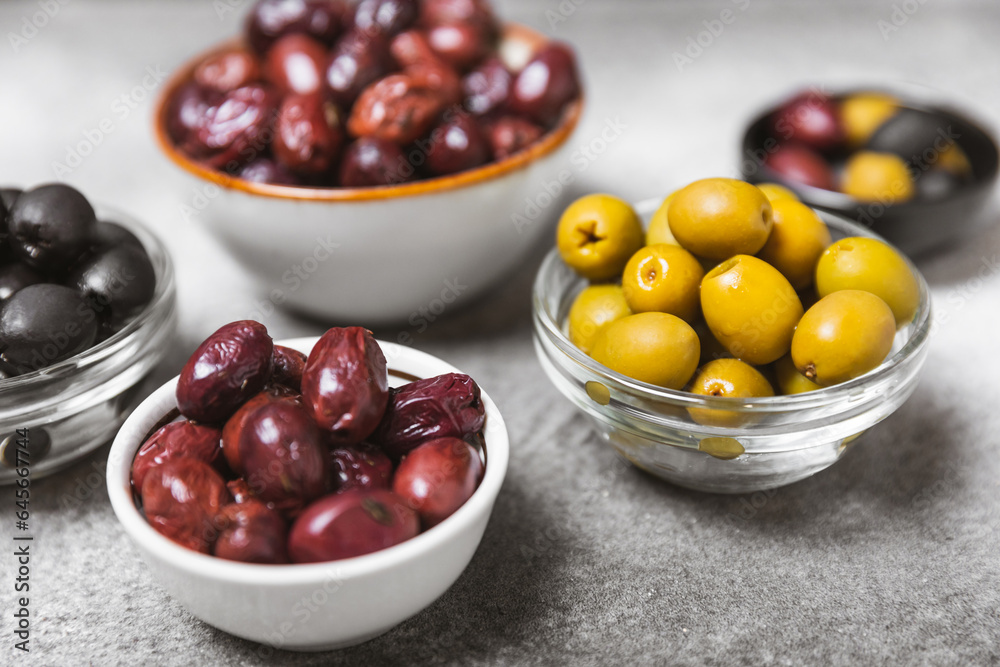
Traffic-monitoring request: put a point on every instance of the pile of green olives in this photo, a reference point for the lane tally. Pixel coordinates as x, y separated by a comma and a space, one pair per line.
734, 290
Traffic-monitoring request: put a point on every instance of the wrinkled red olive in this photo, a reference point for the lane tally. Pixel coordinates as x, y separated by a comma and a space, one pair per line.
235, 129
177, 440
460, 45
357, 60
360, 466
457, 12
351, 524
386, 17
252, 533
411, 48
287, 366
181, 499
438, 477
487, 87
227, 70
456, 145
295, 64
371, 162
228, 368
511, 134
270, 20
345, 384
397, 108
266, 170
308, 136
448, 405
188, 113
546, 84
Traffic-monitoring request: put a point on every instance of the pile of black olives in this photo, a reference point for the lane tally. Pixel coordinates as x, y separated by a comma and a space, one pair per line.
378, 92
284, 458
67, 280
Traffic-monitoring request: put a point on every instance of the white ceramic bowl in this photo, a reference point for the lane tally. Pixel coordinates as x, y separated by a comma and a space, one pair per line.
320, 606
378, 255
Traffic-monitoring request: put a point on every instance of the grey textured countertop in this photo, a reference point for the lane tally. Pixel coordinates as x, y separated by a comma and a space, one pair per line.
892, 556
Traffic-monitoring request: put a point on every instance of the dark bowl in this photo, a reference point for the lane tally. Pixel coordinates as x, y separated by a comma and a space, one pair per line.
914, 226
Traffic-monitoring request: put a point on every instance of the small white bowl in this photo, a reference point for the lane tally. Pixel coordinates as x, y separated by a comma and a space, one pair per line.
322, 606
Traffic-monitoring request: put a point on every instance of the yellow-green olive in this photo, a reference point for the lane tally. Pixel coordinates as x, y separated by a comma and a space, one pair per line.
663, 278
593, 308
597, 234
797, 240
728, 378
717, 218
657, 348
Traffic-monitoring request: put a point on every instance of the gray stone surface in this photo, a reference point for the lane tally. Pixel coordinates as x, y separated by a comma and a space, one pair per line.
890, 557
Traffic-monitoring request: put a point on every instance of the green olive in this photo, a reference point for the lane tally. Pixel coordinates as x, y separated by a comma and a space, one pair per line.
717, 218
593, 308
659, 226
657, 348
790, 380
797, 240
663, 278
845, 335
863, 113
877, 177
751, 309
597, 234
729, 378
775, 192
872, 266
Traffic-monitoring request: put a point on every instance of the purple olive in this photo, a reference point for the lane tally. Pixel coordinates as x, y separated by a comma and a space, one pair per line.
386, 17
236, 129
181, 499
236, 426
232, 365
187, 115
351, 524
457, 145
812, 119
266, 170
510, 134
227, 70
458, 12
360, 466
252, 533
801, 165
176, 441
546, 84
295, 64
370, 161
357, 60
487, 87
269, 20
287, 366
438, 477
308, 136
460, 45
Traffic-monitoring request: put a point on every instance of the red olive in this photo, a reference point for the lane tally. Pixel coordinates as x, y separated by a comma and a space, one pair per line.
371, 162
511, 134
456, 145
271, 19
227, 70
295, 64
546, 84
188, 113
287, 365
345, 384
360, 466
252, 533
487, 87
235, 129
228, 368
266, 170
801, 165
810, 118
240, 490
357, 61
386, 17
308, 135
448, 405
174, 441
458, 12
411, 48
460, 45
398, 108
181, 499
351, 524
438, 477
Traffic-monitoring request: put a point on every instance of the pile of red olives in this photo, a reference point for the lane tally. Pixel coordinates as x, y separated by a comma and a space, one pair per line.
868, 145
288, 458
327, 93
67, 280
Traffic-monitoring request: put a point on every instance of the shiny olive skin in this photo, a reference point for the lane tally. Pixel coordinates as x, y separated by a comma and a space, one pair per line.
400, 108
461, 45
177, 440
843, 336
44, 324
663, 278
287, 366
308, 136
17, 276
790, 380
448, 405
593, 308
361, 466
266, 170
798, 238
187, 114
799, 164
877, 177
234, 129
356, 61
387, 17
659, 226
229, 367
438, 477
240, 490
776, 192
508, 135
346, 525
51, 226
717, 218
873, 266
863, 113
235, 426
727, 378
457, 12
370, 162
811, 118
269, 20
227, 70
546, 84
117, 282
456, 145
487, 88
295, 64
751, 309
657, 348
251, 533
181, 499
597, 235
345, 384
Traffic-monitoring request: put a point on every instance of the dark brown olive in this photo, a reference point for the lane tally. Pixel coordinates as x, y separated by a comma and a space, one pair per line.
511, 134
398, 108
812, 119
270, 20
235, 427
371, 162
386, 17
175, 441
438, 477
458, 12
236, 129
295, 64
456, 145
461, 45
360, 466
801, 165
266, 170
287, 366
351, 524
345, 384
448, 405
14, 277
251, 533
546, 84
232, 365
227, 70
43, 324
357, 60
118, 282
51, 226
181, 499
487, 87
308, 136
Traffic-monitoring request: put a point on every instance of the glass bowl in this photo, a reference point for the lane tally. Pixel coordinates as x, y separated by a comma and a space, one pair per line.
73, 407
779, 440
